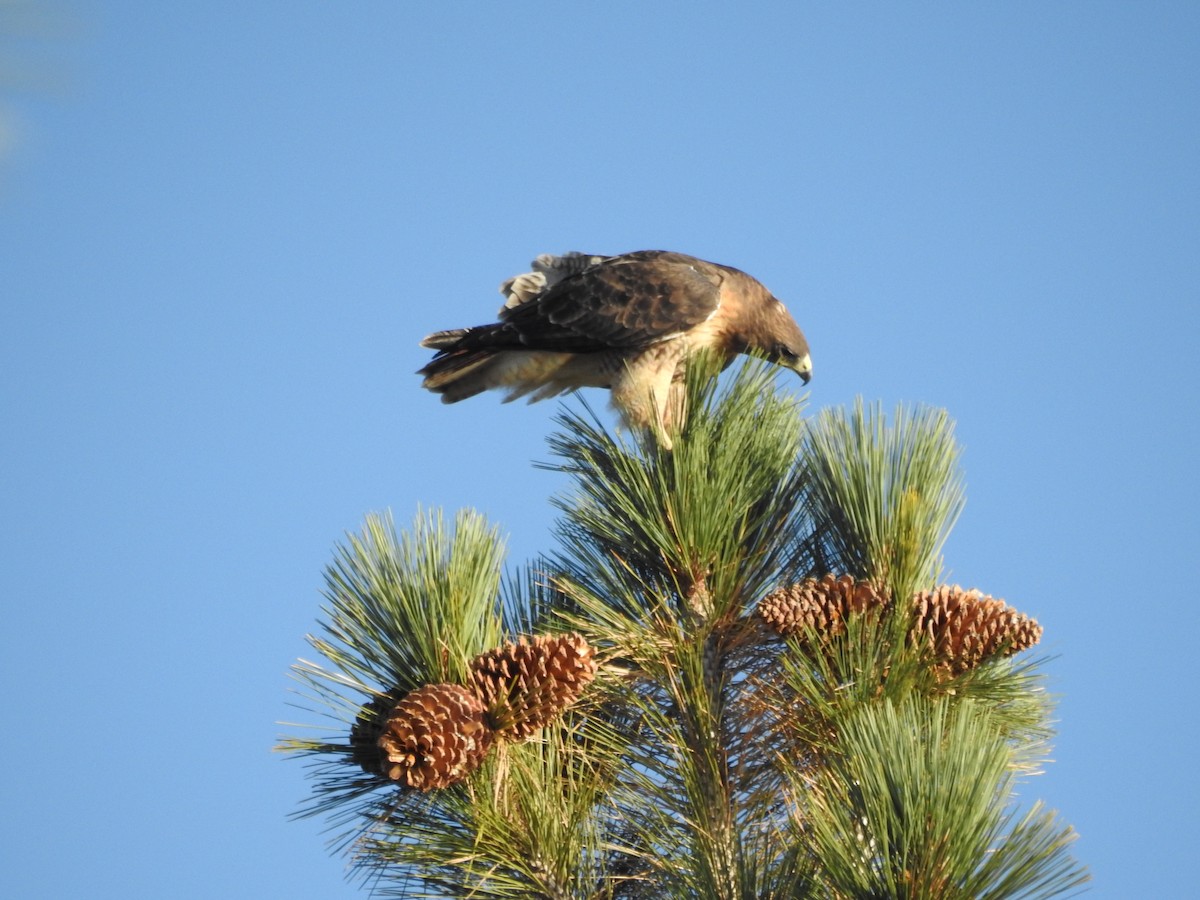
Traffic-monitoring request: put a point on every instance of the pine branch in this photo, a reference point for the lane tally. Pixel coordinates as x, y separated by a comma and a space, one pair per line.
404, 611
746, 735
883, 496
702, 530
409, 609
527, 827
912, 805
663, 554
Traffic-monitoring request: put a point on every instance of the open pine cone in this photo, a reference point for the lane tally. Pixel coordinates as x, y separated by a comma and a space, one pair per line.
364, 734
526, 685
820, 604
962, 628
965, 627
433, 737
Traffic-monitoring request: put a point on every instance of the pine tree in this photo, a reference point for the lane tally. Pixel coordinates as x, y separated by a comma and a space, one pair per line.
739, 675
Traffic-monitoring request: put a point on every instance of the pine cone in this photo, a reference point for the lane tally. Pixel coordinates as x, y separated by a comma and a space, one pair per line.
434, 736
963, 628
819, 604
365, 732
526, 685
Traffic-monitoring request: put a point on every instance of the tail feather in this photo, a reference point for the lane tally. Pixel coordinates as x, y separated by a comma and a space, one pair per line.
462, 373
472, 360
444, 340
457, 375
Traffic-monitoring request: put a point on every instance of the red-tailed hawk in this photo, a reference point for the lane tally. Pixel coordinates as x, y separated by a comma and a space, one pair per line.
627, 323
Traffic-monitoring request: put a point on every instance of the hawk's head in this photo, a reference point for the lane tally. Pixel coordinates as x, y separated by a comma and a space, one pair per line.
788, 347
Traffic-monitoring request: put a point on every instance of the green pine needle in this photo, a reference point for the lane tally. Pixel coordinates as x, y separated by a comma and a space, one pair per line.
884, 496
411, 609
670, 538
404, 609
528, 826
916, 804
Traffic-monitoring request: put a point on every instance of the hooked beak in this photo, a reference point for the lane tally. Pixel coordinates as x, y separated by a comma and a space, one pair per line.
803, 368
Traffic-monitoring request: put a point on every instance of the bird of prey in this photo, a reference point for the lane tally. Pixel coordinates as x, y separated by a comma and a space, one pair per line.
628, 323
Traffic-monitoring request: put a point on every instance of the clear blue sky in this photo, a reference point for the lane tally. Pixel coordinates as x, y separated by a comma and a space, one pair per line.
224, 226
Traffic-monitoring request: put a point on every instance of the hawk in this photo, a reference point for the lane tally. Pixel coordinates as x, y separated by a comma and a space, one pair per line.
628, 323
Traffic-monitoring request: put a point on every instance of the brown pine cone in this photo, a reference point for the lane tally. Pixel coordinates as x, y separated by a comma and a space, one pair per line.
526, 685
434, 737
963, 628
365, 732
820, 604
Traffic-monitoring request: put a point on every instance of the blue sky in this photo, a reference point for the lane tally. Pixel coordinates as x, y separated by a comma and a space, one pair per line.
225, 226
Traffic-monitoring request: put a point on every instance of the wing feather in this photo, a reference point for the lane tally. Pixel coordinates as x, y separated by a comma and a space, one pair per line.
623, 302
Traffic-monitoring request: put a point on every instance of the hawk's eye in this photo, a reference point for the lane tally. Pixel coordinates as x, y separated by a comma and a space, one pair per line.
782, 351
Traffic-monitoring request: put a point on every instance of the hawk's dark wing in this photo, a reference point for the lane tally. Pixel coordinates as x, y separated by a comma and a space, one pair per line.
624, 302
